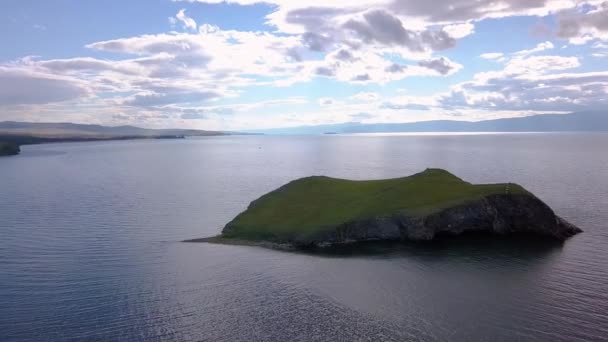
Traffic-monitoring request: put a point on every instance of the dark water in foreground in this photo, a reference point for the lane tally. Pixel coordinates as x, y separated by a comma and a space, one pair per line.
89, 244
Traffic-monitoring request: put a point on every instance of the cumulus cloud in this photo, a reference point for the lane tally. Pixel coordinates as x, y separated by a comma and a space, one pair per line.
458, 31
325, 71
395, 68
441, 65
345, 56
380, 26
362, 78
317, 42
581, 26
187, 22
368, 43
354, 39
465, 10
538, 48
292, 16
532, 84
535, 65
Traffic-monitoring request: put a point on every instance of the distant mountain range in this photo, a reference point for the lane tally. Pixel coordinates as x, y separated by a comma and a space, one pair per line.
33, 133
583, 121
71, 129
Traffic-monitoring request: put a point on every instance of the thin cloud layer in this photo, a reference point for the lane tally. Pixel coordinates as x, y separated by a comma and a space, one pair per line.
24, 87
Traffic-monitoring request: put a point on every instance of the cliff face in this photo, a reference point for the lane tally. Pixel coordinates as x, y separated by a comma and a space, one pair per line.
499, 214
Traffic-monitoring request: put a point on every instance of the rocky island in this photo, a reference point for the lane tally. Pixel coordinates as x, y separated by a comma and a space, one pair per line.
9, 149
322, 211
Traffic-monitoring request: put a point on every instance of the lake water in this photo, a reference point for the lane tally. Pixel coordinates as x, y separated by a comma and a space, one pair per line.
90, 250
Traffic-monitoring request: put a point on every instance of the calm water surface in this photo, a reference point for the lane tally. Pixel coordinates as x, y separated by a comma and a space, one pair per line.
90, 250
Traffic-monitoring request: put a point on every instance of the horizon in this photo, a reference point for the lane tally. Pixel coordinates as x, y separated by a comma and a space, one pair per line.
253, 65
271, 130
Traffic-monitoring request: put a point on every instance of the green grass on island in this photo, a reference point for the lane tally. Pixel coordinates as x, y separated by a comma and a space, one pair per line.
306, 206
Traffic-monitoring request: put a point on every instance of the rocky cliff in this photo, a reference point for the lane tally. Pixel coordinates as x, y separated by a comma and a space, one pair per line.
499, 214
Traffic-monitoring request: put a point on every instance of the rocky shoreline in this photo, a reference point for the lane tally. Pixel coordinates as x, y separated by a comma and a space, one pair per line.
499, 214
494, 214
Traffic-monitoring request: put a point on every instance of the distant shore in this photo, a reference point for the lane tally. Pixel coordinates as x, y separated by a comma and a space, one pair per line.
10, 144
19, 139
9, 149
30, 133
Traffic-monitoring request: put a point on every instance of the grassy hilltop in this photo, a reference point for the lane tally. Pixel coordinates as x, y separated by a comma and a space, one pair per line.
309, 205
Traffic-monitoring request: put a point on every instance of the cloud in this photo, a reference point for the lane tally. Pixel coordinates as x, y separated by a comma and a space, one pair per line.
197, 73
458, 15
325, 71
441, 65
431, 25
345, 56
466, 10
532, 84
193, 116
458, 31
395, 68
87, 64
24, 87
187, 22
354, 44
540, 47
535, 65
600, 45
159, 99
361, 116
72, 64
409, 106
362, 78
491, 55
365, 96
326, 101
316, 42
381, 27
581, 26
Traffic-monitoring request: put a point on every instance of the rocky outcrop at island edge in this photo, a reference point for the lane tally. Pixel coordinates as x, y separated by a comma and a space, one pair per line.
500, 214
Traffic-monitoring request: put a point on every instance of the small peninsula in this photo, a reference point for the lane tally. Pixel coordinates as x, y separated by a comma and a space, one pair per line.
29, 133
9, 149
322, 211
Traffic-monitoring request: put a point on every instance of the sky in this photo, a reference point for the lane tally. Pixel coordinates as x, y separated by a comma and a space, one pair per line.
249, 64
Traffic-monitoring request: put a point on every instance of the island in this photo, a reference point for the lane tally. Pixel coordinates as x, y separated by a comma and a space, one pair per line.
9, 149
321, 211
